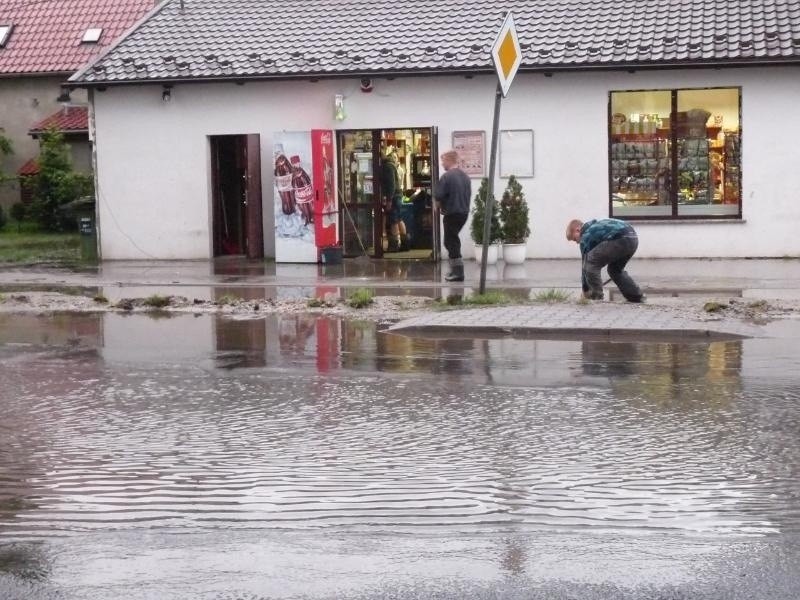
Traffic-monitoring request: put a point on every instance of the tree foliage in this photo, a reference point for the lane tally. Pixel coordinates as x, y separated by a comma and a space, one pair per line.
514, 213
56, 184
478, 216
19, 213
6, 149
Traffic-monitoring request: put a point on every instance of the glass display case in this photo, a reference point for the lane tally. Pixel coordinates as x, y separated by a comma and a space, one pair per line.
640, 171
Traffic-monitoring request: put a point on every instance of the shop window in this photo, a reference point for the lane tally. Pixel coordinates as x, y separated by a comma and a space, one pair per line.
675, 153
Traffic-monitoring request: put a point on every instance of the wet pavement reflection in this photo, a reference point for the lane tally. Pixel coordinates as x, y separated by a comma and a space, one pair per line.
293, 455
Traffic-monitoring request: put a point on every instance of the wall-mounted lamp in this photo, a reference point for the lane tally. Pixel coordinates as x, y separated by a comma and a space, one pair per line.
63, 97
338, 107
166, 94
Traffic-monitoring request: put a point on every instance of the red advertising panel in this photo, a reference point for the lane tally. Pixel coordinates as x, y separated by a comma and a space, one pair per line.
325, 209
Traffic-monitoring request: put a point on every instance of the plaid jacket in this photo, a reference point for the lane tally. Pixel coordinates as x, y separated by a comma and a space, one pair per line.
600, 230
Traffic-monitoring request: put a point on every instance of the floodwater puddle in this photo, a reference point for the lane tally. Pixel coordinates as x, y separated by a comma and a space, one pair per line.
115, 426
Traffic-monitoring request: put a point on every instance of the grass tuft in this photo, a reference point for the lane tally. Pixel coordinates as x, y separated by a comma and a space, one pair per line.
712, 307
229, 299
551, 296
100, 299
488, 298
360, 298
156, 301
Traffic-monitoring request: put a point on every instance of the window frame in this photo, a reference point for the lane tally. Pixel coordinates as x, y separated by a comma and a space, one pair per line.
5, 33
673, 151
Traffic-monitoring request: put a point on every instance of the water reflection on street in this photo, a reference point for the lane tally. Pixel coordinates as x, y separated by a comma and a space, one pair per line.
294, 455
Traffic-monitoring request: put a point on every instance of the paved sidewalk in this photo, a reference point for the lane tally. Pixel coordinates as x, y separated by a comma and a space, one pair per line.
779, 276
700, 279
575, 320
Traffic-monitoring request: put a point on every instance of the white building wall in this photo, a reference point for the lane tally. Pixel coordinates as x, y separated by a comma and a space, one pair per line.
154, 172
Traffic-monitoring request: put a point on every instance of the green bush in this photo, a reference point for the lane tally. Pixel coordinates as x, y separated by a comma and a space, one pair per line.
478, 212
2, 217
56, 184
514, 213
6, 149
19, 213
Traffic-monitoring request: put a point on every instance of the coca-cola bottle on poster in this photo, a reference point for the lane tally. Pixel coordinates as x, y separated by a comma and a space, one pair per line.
283, 181
303, 190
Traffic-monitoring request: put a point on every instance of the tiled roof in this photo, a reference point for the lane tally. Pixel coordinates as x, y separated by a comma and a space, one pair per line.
31, 167
46, 35
210, 39
71, 119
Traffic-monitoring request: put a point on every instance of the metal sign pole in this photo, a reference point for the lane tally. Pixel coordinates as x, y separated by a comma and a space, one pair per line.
507, 57
489, 206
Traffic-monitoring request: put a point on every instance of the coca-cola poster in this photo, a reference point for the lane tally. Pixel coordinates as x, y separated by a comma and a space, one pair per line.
294, 197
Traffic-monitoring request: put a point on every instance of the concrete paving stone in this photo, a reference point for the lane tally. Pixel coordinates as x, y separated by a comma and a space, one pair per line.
610, 319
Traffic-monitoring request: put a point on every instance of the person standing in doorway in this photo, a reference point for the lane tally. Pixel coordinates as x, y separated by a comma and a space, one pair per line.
392, 190
452, 193
605, 242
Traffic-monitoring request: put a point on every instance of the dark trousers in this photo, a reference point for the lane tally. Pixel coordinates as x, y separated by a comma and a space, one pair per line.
615, 254
452, 226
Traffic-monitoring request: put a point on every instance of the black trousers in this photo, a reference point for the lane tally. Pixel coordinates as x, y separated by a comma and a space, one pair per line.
452, 226
615, 254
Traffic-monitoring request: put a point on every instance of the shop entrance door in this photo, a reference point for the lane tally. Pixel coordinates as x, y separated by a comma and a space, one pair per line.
366, 226
237, 224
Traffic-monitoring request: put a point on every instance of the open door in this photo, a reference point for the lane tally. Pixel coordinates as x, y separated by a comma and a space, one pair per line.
437, 229
365, 224
237, 225
253, 204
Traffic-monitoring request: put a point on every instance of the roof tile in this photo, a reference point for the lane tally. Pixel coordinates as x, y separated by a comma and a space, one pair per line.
68, 119
329, 37
47, 35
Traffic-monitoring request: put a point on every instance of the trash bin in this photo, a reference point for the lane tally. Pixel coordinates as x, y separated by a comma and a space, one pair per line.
84, 211
330, 255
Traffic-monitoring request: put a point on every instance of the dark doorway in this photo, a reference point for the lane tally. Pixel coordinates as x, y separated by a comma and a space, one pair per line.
237, 206
366, 226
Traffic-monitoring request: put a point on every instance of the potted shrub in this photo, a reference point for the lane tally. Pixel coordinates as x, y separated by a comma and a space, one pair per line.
476, 225
515, 225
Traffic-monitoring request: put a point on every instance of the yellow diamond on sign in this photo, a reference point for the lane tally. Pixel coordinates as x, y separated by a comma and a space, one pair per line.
506, 53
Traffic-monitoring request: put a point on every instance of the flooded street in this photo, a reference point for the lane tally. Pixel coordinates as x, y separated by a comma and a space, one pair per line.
294, 456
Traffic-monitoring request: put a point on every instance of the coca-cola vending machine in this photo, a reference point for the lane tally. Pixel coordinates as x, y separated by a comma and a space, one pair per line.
306, 211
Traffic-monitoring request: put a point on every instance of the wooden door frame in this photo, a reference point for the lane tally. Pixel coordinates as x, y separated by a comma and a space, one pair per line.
435, 217
377, 221
253, 197
252, 230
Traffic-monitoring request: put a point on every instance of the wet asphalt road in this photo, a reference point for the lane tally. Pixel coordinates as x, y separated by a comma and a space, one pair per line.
295, 457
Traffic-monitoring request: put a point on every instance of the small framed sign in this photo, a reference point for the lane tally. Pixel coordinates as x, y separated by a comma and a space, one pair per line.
471, 148
516, 153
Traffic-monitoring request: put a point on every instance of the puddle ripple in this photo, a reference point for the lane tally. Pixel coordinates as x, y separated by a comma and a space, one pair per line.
86, 446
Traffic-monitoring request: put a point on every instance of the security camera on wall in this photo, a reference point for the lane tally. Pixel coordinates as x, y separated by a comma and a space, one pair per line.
366, 85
